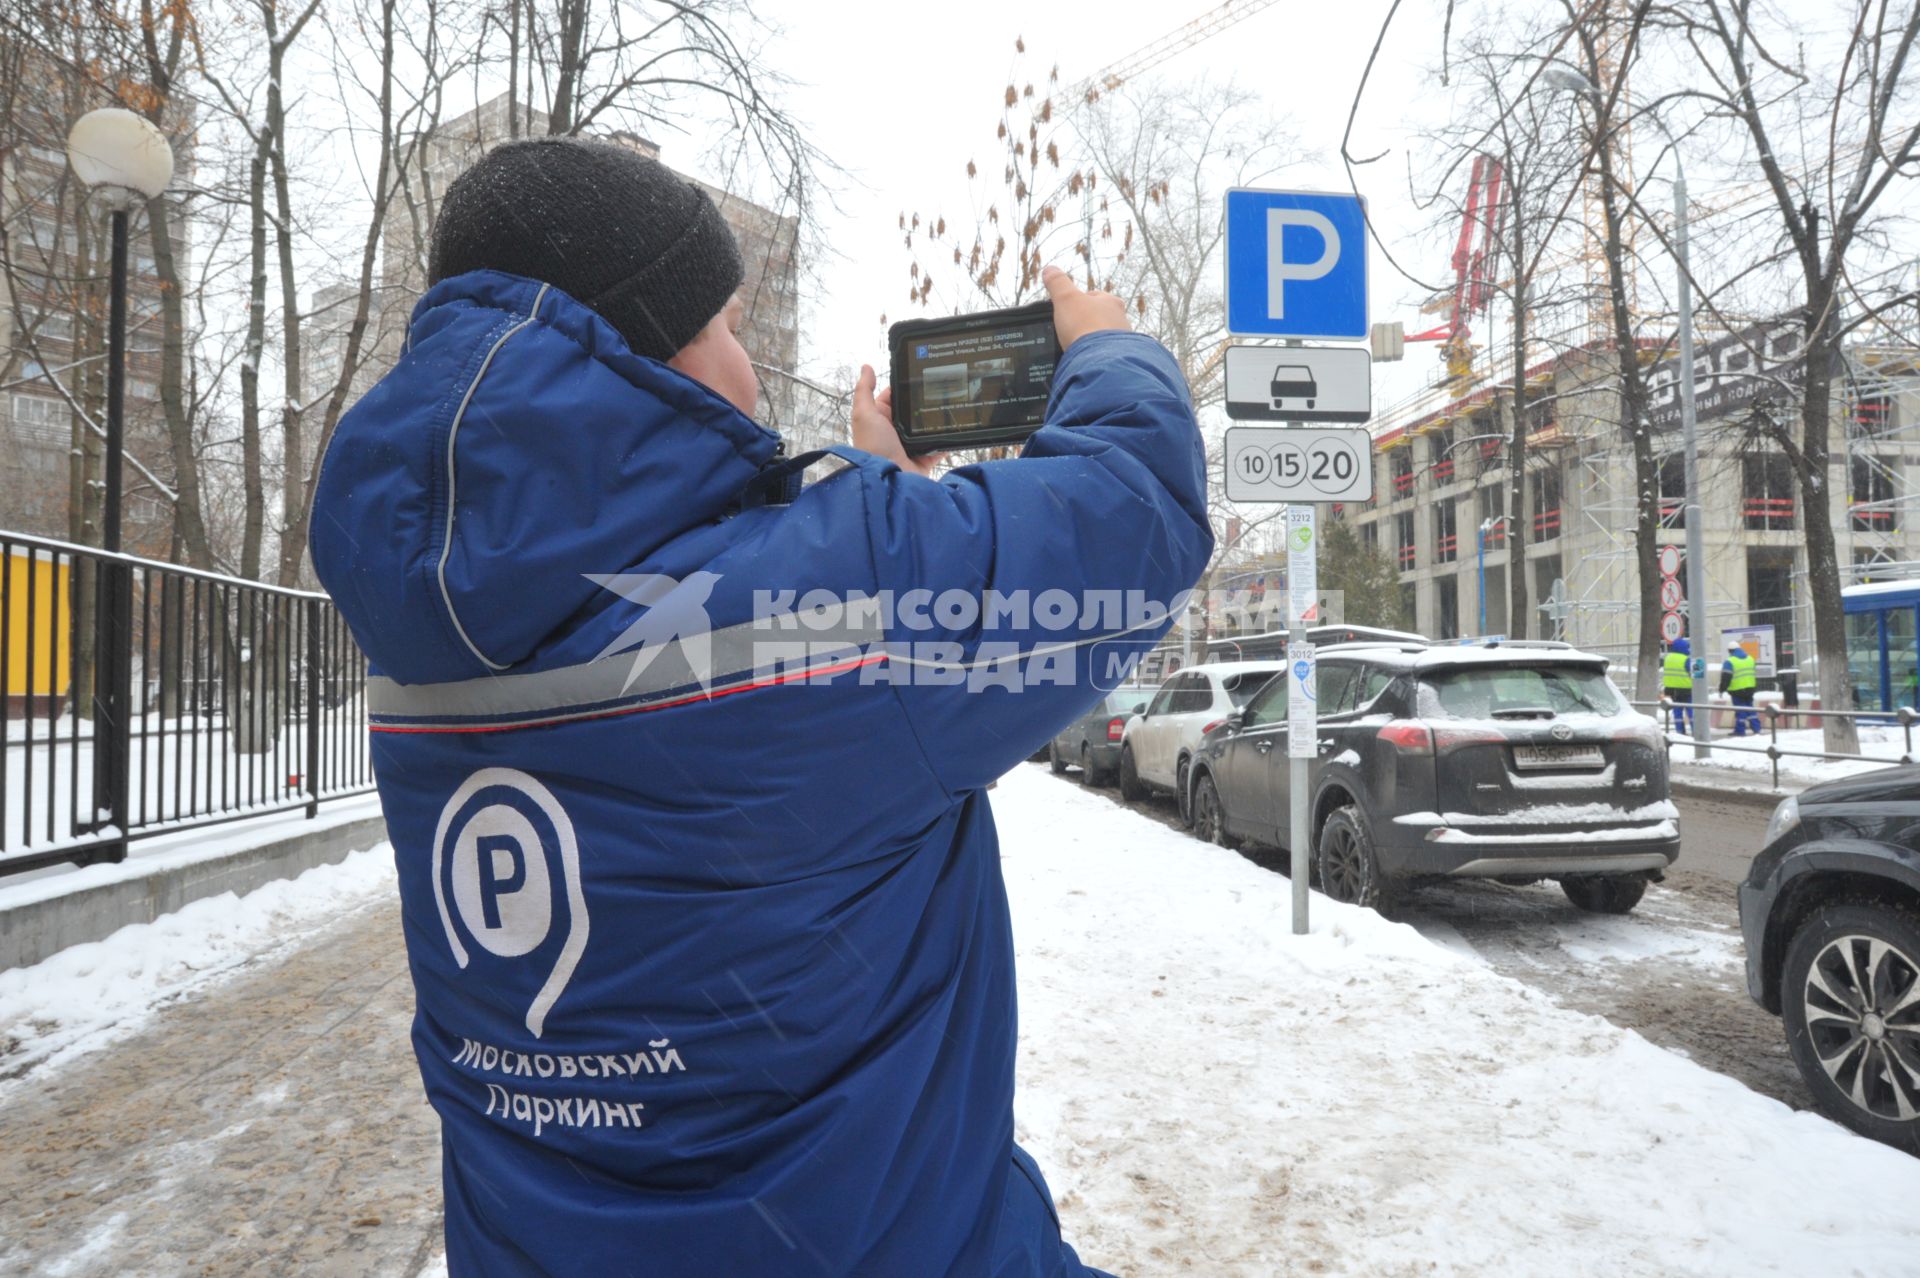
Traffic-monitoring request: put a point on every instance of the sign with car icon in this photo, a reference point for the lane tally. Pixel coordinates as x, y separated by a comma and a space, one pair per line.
1299, 384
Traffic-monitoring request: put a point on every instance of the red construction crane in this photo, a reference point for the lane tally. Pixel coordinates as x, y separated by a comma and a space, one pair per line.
1480, 225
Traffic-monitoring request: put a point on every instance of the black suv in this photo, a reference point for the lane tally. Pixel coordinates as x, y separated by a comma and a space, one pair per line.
1516, 762
1831, 914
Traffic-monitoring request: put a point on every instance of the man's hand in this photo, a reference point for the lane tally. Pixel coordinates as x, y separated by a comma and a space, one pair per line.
873, 430
1076, 312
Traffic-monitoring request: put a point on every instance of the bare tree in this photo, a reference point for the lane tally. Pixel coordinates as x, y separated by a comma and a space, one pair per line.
1606, 45
1038, 197
1503, 114
1854, 146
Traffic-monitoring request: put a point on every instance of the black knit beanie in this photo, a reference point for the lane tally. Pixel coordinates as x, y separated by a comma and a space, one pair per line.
615, 230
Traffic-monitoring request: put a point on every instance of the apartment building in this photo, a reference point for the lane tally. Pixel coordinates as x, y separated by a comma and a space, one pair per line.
1440, 510
53, 320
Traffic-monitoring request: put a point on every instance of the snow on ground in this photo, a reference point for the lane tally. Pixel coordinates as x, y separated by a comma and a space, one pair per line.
1880, 746
1209, 1094
88, 995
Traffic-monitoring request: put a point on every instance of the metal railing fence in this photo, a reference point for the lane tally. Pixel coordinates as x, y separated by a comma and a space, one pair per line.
1905, 716
144, 698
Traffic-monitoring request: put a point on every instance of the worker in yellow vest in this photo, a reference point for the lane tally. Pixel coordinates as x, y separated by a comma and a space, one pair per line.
1739, 679
1676, 681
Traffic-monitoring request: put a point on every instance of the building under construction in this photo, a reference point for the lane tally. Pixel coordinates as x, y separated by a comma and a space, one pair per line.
1442, 485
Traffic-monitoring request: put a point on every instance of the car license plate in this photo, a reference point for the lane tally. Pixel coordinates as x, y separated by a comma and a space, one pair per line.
1558, 756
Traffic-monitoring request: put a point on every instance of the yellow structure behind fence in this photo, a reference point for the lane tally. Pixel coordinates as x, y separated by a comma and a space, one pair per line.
38, 620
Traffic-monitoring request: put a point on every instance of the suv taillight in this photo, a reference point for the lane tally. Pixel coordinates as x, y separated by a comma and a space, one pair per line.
1411, 736
1116, 728
1211, 726
1408, 736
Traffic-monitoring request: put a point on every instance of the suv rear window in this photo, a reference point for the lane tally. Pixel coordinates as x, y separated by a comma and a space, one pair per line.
1241, 687
1481, 692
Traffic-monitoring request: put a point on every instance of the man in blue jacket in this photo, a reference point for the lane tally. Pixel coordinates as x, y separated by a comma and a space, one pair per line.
684, 769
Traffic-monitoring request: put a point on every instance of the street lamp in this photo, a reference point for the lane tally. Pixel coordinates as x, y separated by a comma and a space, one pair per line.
1564, 77
125, 161
1486, 526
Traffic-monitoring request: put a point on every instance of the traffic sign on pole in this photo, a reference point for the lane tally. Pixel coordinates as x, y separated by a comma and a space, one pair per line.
1296, 264
1670, 593
1672, 626
1669, 561
1299, 384
1294, 464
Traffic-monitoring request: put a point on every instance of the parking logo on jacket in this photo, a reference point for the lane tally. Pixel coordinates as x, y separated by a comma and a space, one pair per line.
506, 877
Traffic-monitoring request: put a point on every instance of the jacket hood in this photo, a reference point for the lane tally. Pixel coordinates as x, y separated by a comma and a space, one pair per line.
516, 447
1682, 647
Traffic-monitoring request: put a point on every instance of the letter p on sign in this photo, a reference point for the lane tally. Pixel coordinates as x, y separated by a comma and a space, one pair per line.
1279, 270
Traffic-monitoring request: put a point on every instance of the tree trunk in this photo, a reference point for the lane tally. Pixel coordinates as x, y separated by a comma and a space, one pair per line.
1517, 467
1633, 418
1842, 736
293, 498
188, 514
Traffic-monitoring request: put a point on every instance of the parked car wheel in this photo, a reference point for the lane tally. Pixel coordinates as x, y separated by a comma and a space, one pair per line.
1054, 761
1349, 871
1209, 815
1130, 786
1850, 997
1090, 775
1604, 893
1180, 779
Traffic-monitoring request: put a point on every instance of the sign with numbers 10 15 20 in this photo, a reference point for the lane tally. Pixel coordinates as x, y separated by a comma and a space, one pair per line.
1297, 464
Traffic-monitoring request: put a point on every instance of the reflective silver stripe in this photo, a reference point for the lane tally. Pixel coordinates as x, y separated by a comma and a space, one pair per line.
453, 433
763, 646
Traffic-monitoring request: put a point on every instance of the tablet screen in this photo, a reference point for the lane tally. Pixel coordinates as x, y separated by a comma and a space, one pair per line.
981, 378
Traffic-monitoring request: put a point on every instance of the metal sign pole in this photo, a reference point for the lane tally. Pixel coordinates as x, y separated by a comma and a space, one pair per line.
1303, 728
1322, 296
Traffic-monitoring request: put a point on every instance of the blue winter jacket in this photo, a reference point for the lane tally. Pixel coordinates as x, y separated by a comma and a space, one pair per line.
700, 885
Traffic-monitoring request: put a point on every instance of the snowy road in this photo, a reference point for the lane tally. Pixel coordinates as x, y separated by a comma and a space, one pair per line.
1671, 970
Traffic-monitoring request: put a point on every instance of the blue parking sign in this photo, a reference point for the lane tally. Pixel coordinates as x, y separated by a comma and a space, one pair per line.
1296, 264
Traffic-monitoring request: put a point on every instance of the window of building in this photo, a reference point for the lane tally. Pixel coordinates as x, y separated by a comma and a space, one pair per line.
1402, 468
1766, 492
1446, 608
1404, 546
1409, 604
47, 325
1370, 536
1440, 449
1446, 533
1873, 490
1493, 603
1550, 596
1873, 415
1673, 490
1770, 596
39, 421
1540, 417
1546, 504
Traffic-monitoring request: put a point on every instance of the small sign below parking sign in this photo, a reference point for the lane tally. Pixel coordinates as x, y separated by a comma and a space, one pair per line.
1299, 384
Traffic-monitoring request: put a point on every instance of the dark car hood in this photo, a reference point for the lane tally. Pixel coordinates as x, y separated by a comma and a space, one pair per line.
1886, 785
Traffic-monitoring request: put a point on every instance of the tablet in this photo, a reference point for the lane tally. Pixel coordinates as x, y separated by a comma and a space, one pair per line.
972, 380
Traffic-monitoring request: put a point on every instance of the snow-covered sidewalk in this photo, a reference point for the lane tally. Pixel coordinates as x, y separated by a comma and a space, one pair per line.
1212, 1095
232, 1089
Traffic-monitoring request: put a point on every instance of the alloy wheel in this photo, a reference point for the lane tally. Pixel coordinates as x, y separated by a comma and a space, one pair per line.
1343, 864
1206, 812
1862, 1001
